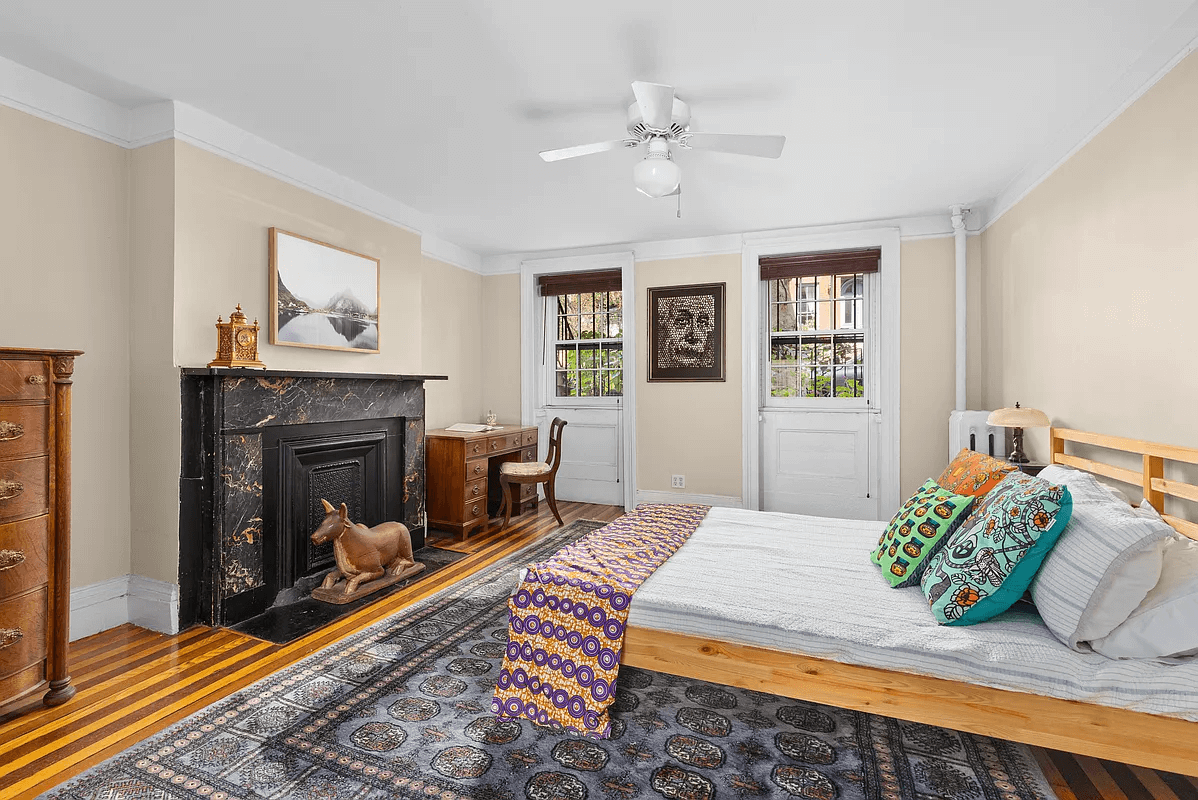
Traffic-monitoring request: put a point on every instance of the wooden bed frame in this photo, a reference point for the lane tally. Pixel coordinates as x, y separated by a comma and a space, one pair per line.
1133, 737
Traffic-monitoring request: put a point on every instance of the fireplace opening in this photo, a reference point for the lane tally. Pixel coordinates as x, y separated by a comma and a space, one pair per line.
358, 462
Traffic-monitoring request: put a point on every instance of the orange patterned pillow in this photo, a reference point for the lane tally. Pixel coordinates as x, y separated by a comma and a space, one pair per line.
973, 473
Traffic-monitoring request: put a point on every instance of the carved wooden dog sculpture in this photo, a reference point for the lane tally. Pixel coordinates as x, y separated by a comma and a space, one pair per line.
363, 554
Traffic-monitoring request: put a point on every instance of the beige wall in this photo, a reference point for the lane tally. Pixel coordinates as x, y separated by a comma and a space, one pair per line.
451, 312
501, 344
223, 211
65, 263
1090, 280
927, 383
154, 380
691, 429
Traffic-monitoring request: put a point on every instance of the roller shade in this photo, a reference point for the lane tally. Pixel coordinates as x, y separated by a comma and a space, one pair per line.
608, 280
809, 265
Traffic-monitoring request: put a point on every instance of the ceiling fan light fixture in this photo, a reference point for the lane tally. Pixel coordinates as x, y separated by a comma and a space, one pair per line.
657, 175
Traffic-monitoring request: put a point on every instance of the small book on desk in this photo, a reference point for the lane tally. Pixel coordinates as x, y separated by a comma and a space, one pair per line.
468, 427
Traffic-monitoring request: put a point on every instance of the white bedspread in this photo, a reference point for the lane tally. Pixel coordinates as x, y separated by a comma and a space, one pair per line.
806, 585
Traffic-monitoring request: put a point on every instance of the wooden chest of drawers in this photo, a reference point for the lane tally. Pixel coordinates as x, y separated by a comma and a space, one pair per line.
463, 474
35, 524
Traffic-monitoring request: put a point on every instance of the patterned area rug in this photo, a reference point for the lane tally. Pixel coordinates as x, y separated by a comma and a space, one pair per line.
401, 710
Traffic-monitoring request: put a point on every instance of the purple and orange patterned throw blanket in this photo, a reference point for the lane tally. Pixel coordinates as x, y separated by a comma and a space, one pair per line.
566, 619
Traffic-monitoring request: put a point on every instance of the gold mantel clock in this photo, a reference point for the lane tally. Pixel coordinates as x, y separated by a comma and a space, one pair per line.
236, 343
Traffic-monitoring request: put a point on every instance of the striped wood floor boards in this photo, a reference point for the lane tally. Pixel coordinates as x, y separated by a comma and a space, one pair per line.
133, 683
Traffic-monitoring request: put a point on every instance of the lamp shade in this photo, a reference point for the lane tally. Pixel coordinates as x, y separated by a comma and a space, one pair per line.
1018, 417
656, 176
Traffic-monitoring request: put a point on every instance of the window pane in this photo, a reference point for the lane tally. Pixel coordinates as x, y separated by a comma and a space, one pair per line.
566, 385
617, 383
586, 304
565, 360
615, 325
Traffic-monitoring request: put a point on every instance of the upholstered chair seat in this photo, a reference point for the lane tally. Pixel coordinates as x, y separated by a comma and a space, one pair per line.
518, 468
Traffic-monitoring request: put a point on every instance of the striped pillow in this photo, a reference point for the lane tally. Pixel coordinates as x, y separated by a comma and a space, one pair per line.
1104, 564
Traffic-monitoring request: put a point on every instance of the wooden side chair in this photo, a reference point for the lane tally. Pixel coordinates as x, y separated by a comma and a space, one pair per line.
544, 472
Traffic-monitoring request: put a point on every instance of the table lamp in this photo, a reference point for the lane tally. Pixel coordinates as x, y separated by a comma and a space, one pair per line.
1018, 418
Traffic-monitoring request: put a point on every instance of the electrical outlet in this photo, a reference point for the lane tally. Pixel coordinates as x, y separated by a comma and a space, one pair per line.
678, 481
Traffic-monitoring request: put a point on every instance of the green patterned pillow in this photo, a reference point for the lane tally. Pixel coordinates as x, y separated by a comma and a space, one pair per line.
920, 527
989, 562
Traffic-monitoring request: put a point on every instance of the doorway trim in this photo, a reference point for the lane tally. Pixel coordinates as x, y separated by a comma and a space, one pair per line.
532, 375
890, 304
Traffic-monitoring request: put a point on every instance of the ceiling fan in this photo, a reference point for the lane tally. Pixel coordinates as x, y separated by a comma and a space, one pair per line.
657, 120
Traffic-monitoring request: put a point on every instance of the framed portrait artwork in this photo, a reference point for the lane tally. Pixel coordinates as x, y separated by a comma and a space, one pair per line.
686, 333
322, 296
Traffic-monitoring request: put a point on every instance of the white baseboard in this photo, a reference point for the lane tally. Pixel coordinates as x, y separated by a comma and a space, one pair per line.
723, 501
145, 602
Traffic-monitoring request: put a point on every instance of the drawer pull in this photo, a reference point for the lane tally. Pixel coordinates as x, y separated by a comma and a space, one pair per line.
37, 380
10, 559
474, 511
478, 469
9, 636
475, 493
10, 430
10, 489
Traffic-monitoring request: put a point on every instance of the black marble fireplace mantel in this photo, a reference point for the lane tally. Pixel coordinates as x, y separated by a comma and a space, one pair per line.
228, 414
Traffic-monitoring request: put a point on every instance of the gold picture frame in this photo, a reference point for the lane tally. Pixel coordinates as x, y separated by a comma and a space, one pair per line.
322, 296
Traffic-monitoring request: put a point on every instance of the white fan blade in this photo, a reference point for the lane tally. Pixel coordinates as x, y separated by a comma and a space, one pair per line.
743, 144
581, 150
657, 103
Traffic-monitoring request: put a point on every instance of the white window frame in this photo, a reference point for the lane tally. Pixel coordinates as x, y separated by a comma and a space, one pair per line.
888, 300
532, 376
549, 360
871, 287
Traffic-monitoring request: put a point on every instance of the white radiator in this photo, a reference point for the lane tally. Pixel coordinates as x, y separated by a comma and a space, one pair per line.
968, 429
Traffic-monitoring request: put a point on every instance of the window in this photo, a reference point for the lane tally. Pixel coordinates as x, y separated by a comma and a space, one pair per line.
589, 346
817, 323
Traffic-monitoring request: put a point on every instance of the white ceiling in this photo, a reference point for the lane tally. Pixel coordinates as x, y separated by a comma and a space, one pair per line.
890, 109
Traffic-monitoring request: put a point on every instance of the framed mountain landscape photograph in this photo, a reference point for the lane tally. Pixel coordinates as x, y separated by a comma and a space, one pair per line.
322, 296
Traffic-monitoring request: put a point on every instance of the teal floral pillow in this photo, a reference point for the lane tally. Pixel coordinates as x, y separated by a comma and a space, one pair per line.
986, 566
920, 527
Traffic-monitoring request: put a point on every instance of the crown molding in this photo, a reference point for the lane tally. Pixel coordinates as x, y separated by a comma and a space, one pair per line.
50, 99
1163, 55
931, 226
47, 98
442, 250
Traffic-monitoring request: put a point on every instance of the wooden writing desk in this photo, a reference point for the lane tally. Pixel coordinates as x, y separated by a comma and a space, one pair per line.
463, 474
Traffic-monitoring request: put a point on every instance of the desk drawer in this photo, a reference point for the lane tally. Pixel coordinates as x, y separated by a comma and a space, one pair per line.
503, 442
22, 631
476, 490
528, 491
475, 509
475, 448
23, 488
528, 454
23, 430
529, 437
24, 380
476, 469
24, 549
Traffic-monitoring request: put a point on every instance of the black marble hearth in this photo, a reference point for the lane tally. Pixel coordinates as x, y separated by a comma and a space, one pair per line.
249, 435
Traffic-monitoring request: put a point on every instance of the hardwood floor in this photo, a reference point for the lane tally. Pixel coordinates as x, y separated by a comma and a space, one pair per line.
133, 683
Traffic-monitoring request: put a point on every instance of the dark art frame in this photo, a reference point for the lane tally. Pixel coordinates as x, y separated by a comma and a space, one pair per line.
660, 373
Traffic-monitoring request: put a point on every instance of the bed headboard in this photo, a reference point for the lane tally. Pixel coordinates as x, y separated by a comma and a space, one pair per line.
1151, 479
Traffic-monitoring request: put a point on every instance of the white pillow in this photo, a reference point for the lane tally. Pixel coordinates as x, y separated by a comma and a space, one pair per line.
1102, 567
1166, 623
